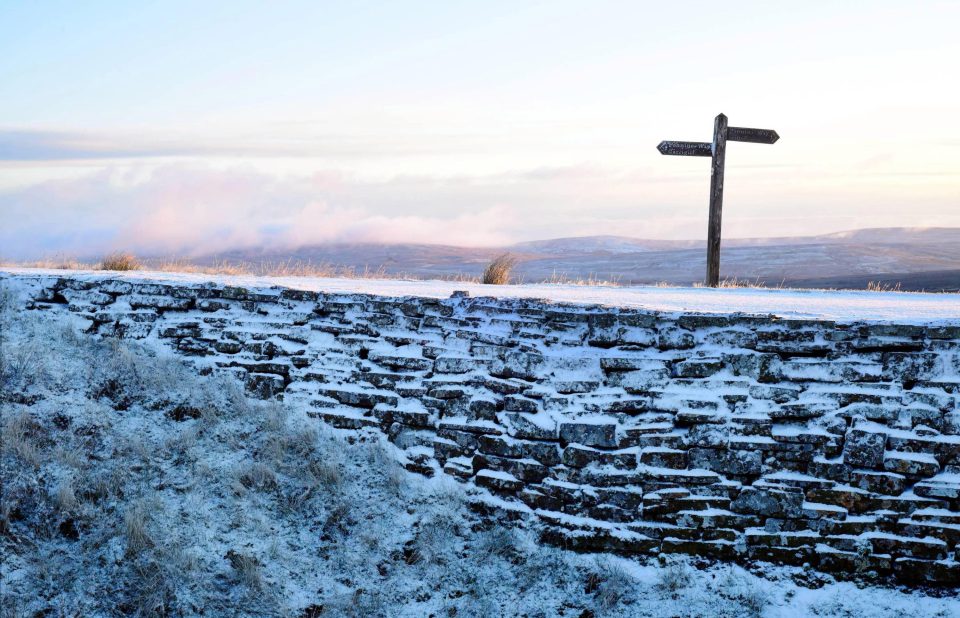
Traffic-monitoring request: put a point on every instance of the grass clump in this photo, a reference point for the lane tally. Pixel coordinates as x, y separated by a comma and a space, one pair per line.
880, 286
611, 585
120, 260
499, 269
752, 599
136, 520
674, 576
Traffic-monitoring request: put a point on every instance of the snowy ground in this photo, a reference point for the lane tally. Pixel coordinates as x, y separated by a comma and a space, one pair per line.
132, 486
901, 307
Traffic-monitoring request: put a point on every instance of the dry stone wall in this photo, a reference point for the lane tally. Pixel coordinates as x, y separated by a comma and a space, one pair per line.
737, 437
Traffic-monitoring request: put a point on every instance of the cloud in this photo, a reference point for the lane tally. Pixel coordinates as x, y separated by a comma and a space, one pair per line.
185, 210
23, 145
192, 209
34, 145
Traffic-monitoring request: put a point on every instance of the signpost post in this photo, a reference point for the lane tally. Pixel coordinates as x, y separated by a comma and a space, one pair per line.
717, 150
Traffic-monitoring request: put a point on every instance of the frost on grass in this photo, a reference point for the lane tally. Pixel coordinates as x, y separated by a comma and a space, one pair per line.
133, 486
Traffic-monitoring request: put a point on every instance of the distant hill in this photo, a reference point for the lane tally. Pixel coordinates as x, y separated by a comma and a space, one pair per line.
601, 244
932, 281
843, 259
894, 235
627, 244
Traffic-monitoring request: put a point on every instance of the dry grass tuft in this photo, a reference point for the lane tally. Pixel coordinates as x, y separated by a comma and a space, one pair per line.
674, 576
120, 261
20, 367
57, 262
879, 286
325, 474
257, 475
389, 472
135, 521
247, 568
65, 498
752, 599
733, 282
498, 271
7, 299
18, 436
562, 278
612, 585
498, 541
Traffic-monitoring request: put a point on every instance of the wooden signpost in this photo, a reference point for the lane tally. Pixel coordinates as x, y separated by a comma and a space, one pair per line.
718, 151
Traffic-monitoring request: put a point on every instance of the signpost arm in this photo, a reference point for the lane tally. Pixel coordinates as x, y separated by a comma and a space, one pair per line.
716, 200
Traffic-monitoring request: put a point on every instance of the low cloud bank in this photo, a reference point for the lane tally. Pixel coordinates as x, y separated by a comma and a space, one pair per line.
194, 210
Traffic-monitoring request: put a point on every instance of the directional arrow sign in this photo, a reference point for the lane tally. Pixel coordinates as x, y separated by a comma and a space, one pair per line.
757, 136
686, 149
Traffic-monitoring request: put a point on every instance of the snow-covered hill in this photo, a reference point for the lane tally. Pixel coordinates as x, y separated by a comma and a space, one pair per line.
131, 484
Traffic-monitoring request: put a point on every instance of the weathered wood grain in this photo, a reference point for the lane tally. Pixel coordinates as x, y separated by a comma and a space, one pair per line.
716, 200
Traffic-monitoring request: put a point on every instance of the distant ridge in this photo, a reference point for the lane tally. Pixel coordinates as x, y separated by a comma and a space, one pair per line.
627, 244
932, 281
849, 256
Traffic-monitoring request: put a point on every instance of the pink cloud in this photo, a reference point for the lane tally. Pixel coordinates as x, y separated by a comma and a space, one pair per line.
189, 210
193, 211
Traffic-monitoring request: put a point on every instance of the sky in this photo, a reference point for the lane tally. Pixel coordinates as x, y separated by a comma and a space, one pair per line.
184, 128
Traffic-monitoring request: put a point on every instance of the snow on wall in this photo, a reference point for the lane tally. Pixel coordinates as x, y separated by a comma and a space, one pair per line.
736, 437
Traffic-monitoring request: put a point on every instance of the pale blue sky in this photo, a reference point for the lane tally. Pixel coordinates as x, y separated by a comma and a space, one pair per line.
166, 125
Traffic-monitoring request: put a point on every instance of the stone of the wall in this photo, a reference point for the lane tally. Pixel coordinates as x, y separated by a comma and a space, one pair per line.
801, 442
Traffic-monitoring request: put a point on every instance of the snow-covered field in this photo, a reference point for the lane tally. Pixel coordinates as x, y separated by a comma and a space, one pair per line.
133, 486
902, 307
